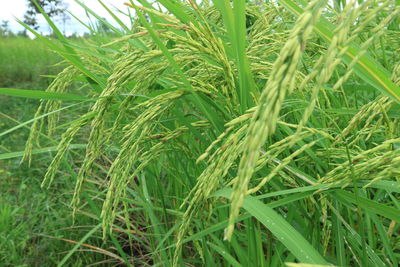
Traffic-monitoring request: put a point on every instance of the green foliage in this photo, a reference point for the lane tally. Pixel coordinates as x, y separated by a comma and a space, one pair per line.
266, 104
35, 224
33, 221
24, 60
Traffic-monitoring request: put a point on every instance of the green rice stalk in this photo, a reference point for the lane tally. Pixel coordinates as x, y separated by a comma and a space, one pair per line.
264, 121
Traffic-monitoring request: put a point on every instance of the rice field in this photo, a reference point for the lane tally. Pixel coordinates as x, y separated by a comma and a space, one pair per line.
225, 133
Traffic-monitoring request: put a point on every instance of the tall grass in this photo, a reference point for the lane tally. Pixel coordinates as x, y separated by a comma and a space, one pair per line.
23, 61
35, 224
263, 119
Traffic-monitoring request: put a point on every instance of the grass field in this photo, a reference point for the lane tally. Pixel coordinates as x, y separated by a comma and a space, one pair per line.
223, 133
33, 220
23, 61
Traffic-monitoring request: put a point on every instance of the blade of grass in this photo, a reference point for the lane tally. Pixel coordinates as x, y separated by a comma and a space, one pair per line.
355, 239
19, 154
384, 238
37, 118
178, 10
235, 23
75, 248
279, 227
69, 54
70, 58
115, 17
37, 94
225, 254
369, 205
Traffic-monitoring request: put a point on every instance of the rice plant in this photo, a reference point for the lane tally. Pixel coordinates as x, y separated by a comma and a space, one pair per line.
233, 133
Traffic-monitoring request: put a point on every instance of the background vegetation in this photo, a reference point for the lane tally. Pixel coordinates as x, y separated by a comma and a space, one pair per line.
274, 121
33, 220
